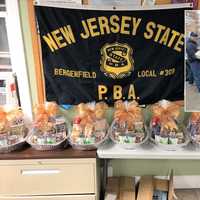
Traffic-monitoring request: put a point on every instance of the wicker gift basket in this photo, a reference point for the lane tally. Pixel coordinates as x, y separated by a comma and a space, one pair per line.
128, 129
49, 130
166, 131
13, 131
89, 128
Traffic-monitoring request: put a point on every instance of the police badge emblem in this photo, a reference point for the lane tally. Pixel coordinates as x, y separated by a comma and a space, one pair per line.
116, 60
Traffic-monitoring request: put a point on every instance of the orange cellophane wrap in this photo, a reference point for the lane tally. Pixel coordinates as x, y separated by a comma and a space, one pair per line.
100, 110
195, 117
3, 121
89, 114
14, 114
86, 114
52, 108
167, 115
9, 117
42, 114
130, 113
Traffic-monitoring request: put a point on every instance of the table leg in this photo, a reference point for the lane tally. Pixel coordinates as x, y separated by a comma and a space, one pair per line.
104, 178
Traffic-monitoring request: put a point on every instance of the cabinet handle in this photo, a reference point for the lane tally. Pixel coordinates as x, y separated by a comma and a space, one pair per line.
30, 172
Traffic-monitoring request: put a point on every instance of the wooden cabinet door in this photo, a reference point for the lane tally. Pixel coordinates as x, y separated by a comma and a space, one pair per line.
48, 179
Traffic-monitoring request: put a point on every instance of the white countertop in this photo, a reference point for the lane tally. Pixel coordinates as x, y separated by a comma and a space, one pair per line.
147, 151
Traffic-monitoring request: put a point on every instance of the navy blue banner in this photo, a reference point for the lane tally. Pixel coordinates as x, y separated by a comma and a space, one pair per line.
110, 55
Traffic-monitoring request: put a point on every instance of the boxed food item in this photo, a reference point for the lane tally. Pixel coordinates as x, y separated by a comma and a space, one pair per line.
151, 188
166, 131
49, 130
89, 128
128, 129
13, 130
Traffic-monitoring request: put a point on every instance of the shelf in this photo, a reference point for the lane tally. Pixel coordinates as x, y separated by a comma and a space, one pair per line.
148, 151
30, 153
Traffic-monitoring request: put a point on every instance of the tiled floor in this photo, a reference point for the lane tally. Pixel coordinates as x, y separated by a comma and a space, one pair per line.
193, 194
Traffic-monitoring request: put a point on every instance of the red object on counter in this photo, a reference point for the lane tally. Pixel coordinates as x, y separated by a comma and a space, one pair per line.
155, 121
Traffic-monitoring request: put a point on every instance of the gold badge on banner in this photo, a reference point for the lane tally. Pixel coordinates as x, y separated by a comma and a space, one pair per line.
116, 60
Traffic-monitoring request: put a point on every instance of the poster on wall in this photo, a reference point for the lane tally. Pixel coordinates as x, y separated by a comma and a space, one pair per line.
107, 55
